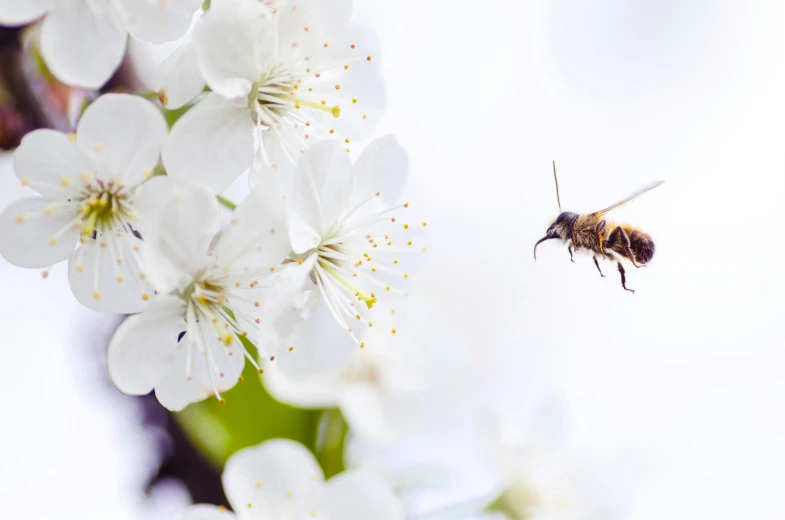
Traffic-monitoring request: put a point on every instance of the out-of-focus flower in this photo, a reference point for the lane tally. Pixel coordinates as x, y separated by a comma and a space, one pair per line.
281, 479
90, 190
177, 79
543, 478
352, 250
210, 287
296, 73
379, 391
83, 41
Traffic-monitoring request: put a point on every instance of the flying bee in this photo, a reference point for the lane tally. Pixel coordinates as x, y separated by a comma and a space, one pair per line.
603, 238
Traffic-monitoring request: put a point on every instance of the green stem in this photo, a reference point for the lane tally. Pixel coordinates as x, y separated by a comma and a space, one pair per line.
228, 204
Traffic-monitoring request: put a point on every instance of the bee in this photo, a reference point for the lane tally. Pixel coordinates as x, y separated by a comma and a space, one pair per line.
604, 238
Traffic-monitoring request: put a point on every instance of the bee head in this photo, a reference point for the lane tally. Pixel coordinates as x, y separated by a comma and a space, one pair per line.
561, 228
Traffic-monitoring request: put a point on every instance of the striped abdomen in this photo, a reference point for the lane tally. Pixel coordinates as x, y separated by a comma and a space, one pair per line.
641, 244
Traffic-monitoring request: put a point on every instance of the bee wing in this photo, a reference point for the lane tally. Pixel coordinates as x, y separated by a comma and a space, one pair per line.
631, 197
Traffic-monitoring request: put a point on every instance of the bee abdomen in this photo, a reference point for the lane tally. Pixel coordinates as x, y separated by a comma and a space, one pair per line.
642, 246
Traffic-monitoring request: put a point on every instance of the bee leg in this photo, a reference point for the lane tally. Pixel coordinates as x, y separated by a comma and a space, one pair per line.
598, 266
624, 278
569, 249
572, 232
625, 241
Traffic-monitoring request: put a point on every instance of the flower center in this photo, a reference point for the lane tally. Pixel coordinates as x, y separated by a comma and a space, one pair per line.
277, 95
103, 207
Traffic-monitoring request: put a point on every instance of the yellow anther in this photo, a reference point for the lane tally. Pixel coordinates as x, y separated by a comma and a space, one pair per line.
65, 181
98, 147
145, 296
337, 111
337, 87
19, 219
394, 331
406, 226
118, 278
346, 67
354, 100
96, 295
71, 137
53, 241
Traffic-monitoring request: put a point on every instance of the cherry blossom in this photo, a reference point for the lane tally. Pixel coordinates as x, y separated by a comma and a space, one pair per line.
84, 41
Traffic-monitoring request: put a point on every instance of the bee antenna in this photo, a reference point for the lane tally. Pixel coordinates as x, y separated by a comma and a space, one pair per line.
556, 180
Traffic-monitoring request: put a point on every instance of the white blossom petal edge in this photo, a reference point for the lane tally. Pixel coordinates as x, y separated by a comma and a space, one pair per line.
281, 479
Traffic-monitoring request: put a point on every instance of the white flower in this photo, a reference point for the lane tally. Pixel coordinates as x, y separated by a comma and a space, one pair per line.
210, 288
90, 194
353, 248
83, 41
280, 479
297, 73
543, 478
379, 391
177, 79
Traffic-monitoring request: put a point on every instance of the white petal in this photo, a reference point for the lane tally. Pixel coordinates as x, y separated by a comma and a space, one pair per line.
364, 83
144, 346
159, 22
320, 344
153, 195
175, 391
359, 495
104, 275
321, 193
225, 41
177, 79
258, 228
20, 12
31, 238
211, 144
314, 392
177, 246
124, 135
207, 512
383, 166
51, 161
364, 408
278, 477
79, 47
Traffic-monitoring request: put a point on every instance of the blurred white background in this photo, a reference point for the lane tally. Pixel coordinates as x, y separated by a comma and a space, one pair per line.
677, 388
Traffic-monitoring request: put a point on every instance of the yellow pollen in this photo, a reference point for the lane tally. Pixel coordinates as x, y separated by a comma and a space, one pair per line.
222, 401
346, 67
354, 100
373, 269
145, 296
96, 295
291, 348
424, 224
387, 288
409, 243
53, 241
25, 182
119, 279
19, 219
337, 112
370, 324
221, 509
71, 137
258, 484
406, 226
65, 181
324, 102
289, 494
357, 316
332, 130
300, 261
85, 176
337, 87
365, 116
98, 146
240, 379
406, 275
395, 261
394, 331
79, 268
362, 345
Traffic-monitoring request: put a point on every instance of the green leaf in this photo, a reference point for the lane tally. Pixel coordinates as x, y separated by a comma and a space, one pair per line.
249, 416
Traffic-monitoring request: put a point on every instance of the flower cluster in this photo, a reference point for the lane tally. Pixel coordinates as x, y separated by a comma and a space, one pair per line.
305, 280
